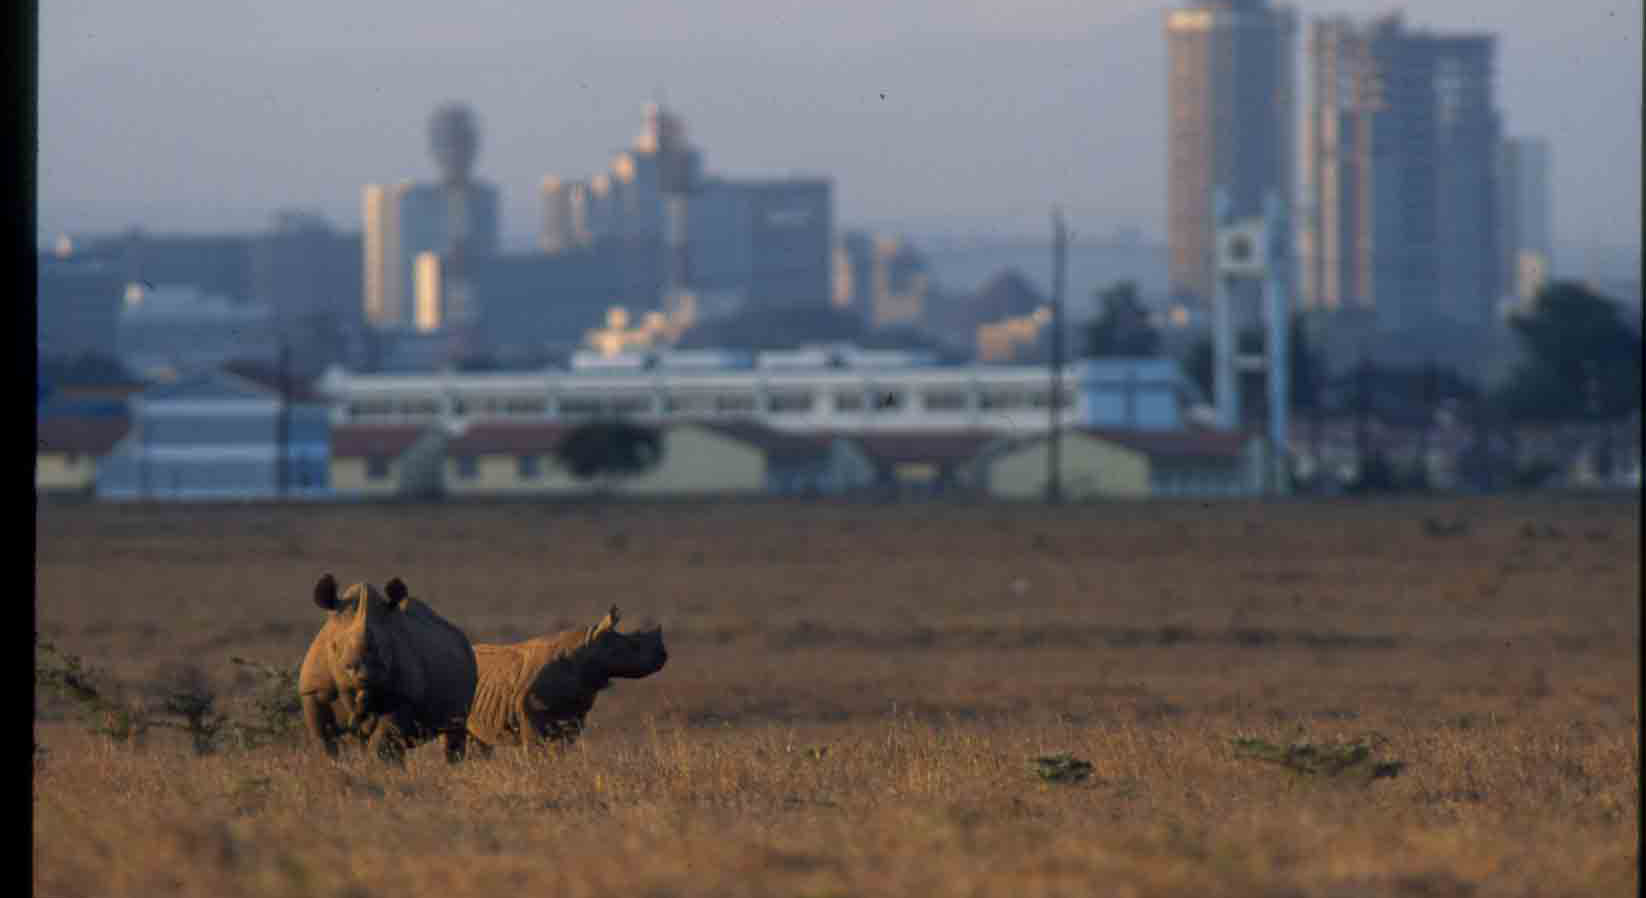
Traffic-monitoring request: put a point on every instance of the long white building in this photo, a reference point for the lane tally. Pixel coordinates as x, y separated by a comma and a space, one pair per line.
823, 390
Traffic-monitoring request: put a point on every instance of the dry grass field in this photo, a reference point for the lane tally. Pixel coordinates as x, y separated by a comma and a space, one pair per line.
854, 694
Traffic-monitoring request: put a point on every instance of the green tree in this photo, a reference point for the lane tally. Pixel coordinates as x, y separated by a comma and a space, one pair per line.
1583, 360
610, 449
1122, 328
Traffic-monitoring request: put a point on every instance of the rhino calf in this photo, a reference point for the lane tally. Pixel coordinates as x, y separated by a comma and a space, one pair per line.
387, 668
540, 690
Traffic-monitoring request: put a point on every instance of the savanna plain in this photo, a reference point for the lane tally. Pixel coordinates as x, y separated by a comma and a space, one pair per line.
856, 698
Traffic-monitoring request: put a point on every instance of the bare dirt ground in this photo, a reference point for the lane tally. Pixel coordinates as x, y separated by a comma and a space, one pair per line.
854, 695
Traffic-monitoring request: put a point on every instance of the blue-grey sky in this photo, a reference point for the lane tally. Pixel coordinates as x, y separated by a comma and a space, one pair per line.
204, 116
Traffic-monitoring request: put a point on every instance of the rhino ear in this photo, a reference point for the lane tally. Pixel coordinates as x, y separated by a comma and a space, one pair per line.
396, 591
325, 592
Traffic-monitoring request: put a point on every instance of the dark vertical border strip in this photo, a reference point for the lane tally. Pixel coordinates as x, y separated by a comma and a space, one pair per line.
20, 216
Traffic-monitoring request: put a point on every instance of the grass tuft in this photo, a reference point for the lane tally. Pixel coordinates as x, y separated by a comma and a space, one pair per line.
1353, 758
1062, 768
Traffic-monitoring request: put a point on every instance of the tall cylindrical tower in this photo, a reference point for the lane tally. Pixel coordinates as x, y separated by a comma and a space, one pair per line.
675, 183
454, 141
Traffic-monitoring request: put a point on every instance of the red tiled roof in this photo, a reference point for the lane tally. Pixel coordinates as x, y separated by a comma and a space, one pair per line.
938, 448
359, 441
87, 434
508, 438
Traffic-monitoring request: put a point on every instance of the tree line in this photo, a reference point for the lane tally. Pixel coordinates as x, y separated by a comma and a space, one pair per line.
1580, 364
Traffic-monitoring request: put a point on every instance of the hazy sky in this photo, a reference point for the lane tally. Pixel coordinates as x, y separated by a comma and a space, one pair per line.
205, 116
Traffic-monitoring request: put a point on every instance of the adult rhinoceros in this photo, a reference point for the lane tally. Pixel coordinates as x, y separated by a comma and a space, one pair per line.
387, 668
542, 689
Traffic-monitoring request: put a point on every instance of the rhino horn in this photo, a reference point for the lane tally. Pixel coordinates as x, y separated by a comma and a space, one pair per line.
325, 592
606, 623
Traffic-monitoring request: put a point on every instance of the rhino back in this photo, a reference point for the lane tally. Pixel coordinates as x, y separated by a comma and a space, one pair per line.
557, 673
435, 664
504, 674
541, 667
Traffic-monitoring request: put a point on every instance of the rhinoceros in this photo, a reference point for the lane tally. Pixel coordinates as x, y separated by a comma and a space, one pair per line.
539, 691
387, 668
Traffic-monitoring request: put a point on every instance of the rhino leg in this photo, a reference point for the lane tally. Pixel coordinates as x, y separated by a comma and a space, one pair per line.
389, 740
456, 741
571, 729
321, 722
529, 717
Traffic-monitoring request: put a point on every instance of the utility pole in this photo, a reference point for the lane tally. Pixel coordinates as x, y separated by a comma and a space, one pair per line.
1363, 410
141, 416
1318, 372
1054, 482
1278, 302
1431, 409
1225, 345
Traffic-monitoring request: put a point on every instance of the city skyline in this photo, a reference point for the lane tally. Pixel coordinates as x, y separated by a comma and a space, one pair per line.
201, 133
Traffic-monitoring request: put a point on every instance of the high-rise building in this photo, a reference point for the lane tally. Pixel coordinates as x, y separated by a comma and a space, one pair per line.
458, 221
714, 243
900, 280
565, 215
853, 287
383, 281
1230, 125
792, 223
457, 217
765, 241
636, 195
1523, 210
640, 203
603, 220
1400, 152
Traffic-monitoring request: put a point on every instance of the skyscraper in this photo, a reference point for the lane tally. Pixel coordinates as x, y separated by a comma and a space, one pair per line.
628, 200
565, 215
1230, 124
722, 241
383, 279
792, 223
853, 284
457, 218
1523, 210
1401, 150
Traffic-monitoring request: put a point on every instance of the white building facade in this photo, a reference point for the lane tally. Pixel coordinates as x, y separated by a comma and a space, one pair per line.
817, 390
